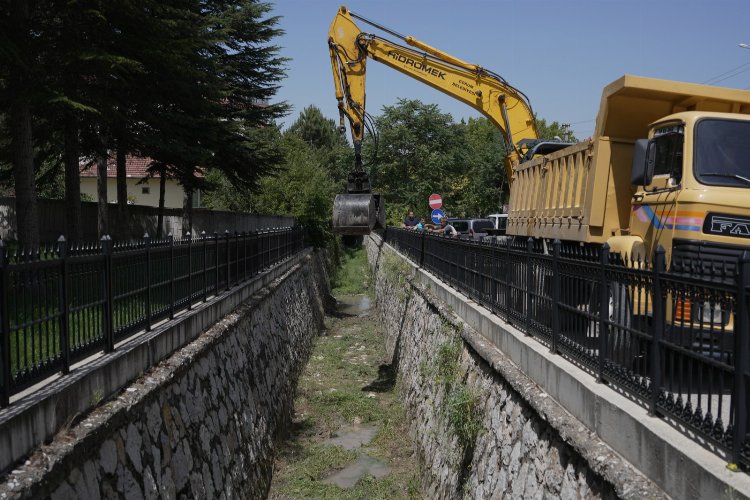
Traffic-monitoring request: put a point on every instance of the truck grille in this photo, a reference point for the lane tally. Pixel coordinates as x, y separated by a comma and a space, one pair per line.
715, 262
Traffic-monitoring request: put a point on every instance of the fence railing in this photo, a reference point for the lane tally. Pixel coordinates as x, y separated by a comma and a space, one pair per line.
677, 340
62, 303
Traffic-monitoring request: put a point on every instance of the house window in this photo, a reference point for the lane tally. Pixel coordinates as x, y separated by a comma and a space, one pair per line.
145, 190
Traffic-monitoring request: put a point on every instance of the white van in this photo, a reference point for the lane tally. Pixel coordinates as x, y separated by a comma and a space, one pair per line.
500, 221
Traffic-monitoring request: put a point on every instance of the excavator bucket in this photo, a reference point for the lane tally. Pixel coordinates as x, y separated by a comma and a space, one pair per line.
358, 214
354, 214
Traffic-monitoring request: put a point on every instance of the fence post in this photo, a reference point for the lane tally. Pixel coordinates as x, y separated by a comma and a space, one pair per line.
205, 266
5, 372
660, 321
421, 250
603, 310
507, 280
528, 287
254, 255
229, 255
244, 255
170, 237
265, 245
216, 261
108, 316
741, 338
493, 276
62, 246
277, 240
556, 291
147, 241
189, 236
236, 257
259, 250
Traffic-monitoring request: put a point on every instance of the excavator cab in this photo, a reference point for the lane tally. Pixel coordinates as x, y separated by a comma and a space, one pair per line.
359, 210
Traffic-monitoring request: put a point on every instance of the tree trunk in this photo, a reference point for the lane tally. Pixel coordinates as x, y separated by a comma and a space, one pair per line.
72, 179
27, 210
101, 191
122, 193
187, 212
162, 192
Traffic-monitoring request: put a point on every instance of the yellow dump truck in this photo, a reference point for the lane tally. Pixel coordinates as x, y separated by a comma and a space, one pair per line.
669, 164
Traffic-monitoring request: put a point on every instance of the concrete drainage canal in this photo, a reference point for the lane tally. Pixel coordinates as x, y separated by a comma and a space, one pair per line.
348, 437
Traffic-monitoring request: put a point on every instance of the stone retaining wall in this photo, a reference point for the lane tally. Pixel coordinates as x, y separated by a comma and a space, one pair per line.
202, 423
523, 446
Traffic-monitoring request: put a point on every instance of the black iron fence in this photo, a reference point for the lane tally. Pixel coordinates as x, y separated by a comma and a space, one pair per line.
677, 340
62, 303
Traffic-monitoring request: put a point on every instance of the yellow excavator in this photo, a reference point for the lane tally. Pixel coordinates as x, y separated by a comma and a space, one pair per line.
360, 210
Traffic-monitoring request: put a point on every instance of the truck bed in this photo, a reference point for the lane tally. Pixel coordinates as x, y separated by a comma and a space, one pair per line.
583, 192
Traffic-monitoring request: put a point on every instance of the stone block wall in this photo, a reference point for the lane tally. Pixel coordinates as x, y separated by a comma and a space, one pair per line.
518, 451
202, 423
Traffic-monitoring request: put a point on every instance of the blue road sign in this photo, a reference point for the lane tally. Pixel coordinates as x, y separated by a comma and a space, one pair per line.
437, 214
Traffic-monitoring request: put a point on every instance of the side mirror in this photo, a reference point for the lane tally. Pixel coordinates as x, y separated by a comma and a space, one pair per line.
644, 158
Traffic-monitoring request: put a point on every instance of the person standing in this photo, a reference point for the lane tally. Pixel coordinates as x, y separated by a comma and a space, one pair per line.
410, 221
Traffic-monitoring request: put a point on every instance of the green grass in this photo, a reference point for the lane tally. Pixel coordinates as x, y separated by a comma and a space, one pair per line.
353, 277
308, 465
33, 305
461, 406
462, 410
35, 340
346, 383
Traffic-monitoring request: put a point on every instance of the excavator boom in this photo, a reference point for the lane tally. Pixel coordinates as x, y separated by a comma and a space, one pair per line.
487, 92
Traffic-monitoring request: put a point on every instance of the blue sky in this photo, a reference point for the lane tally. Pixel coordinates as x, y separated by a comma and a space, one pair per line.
559, 53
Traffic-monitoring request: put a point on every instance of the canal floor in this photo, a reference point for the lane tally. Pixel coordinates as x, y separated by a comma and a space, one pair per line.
349, 434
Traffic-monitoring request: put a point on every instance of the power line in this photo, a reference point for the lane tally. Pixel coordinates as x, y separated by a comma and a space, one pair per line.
731, 76
717, 77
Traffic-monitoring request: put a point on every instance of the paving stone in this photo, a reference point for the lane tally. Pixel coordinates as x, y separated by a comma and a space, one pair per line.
133, 447
108, 456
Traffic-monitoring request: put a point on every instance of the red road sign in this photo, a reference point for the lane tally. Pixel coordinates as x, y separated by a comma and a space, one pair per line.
435, 201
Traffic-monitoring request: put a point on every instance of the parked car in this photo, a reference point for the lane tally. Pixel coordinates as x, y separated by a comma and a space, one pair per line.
471, 229
499, 222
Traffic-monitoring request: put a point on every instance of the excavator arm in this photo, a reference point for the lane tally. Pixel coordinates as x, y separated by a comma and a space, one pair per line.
487, 92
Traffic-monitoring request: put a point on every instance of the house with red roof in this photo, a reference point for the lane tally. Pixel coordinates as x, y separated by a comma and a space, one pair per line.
143, 187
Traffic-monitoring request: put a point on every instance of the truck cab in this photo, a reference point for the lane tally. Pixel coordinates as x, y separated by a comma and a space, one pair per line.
693, 188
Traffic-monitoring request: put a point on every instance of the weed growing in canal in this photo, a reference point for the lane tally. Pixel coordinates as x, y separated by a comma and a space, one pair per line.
397, 271
353, 275
446, 363
462, 412
97, 396
347, 388
461, 405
